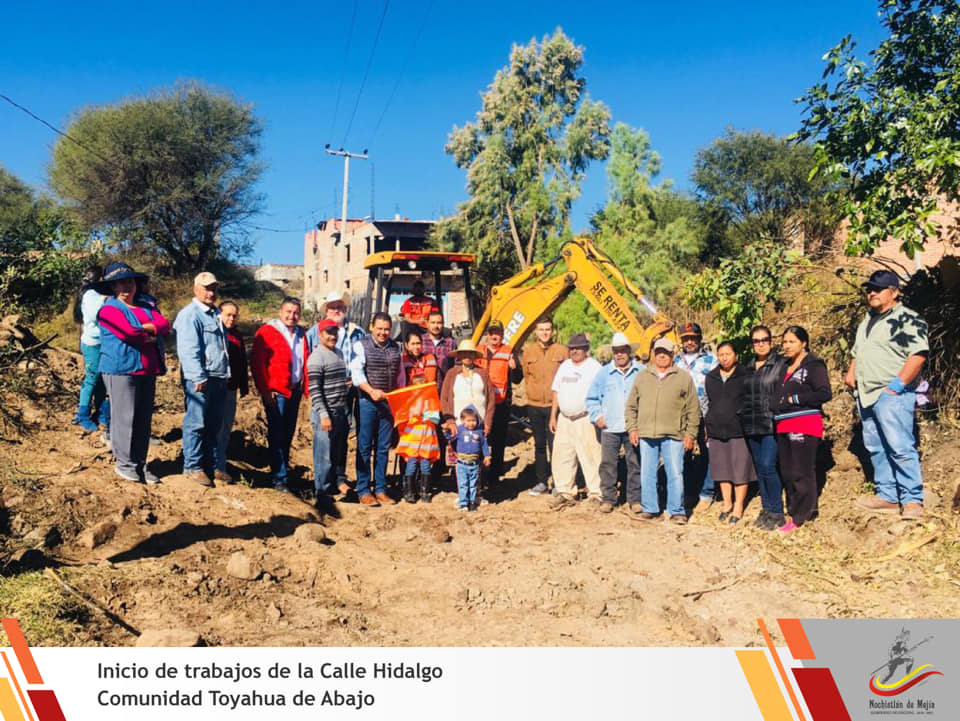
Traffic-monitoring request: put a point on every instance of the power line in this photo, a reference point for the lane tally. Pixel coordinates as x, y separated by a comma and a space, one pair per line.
273, 230
366, 71
343, 68
60, 132
403, 67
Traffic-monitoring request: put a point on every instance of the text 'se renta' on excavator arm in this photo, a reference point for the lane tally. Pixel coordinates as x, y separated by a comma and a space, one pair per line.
520, 300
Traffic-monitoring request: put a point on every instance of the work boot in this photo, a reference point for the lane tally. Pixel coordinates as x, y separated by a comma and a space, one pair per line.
409, 492
425, 488
877, 504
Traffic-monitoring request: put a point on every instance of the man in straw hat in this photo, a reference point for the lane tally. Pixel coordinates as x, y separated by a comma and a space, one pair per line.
662, 416
575, 437
606, 403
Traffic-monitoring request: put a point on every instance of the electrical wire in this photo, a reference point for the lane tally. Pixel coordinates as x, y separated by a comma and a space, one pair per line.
366, 71
60, 132
343, 69
403, 67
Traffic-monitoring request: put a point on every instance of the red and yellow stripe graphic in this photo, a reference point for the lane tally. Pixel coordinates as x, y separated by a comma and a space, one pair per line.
908, 681
816, 685
43, 700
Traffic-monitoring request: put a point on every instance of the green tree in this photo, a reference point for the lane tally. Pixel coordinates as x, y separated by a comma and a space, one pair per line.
755, 187
890, 128
42, 251
525, 156
174, 173
650, 232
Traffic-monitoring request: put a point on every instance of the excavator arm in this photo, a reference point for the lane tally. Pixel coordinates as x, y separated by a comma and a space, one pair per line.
534, 292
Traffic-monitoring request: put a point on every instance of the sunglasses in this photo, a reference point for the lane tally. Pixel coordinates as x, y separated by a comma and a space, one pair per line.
758, 341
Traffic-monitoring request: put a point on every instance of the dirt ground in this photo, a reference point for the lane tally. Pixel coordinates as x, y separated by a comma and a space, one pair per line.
244, 565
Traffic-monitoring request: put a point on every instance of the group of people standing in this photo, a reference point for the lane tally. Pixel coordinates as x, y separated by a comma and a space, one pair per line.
707, 419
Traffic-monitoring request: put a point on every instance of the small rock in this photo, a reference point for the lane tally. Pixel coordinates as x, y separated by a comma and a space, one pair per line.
195, 578
168, 638
148, 517
242, 566
18, 526
441, 535
309, 533
98, 534
273, 612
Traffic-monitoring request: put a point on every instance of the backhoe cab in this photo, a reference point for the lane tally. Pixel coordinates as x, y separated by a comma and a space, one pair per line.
390, 279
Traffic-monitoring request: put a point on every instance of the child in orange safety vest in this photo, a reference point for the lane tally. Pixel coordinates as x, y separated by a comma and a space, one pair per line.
418, 444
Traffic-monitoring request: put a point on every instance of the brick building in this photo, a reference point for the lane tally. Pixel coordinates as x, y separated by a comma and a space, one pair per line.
334, 261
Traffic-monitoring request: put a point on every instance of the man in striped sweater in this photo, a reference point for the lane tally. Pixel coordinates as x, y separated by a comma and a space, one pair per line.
327, 382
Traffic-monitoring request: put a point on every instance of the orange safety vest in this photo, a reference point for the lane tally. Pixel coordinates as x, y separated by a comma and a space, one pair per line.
423, 367
496, 363
419, 440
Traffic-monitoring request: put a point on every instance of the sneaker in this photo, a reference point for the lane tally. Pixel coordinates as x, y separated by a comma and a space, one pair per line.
367, 499
774, 521
606, 507
787, 528
539, 489
463, 508
912, 511
87, 424
150, 478
127, 475
560, 501
877, 504
761, 519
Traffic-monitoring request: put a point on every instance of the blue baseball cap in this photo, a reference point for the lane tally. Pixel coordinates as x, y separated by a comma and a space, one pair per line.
882, 279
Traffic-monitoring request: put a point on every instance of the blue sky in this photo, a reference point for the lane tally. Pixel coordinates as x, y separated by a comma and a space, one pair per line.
684, 72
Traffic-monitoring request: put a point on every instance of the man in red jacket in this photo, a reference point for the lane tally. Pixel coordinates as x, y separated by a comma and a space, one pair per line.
278, 364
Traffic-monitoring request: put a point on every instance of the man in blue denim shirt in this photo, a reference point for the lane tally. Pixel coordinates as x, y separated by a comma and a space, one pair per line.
204, 369
606, 401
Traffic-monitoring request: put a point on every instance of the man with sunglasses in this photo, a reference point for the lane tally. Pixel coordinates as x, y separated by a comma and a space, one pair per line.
888, 355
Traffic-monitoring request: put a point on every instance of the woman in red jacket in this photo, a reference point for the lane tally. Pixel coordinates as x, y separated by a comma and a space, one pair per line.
278, 364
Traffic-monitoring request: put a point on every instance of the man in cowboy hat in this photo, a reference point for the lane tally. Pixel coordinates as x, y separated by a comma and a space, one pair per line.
205, 370
606, 402
888, 355
575, 437
697, 361
466, 385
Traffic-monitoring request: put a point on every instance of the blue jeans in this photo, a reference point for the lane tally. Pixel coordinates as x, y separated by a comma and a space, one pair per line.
281, 425
93, 392
202, 417
764, 451
411, 468
651, 451
467, 477
226, 426
374, 432
888, 438
329, 452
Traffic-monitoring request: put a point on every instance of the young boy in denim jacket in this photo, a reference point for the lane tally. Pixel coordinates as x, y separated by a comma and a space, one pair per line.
472, 449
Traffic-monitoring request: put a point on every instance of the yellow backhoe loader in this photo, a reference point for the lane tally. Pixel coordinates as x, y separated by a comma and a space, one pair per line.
531, 293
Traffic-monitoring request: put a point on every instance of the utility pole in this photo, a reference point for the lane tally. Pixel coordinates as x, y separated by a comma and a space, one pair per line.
346, 155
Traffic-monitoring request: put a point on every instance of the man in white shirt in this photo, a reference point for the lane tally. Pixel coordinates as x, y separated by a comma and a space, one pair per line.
575, 437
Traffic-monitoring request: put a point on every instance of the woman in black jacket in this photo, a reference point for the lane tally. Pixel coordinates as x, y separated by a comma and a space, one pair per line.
730, 463
799, 418
761, 391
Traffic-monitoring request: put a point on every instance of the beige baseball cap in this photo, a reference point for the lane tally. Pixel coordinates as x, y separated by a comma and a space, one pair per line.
664, 344
205, 278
